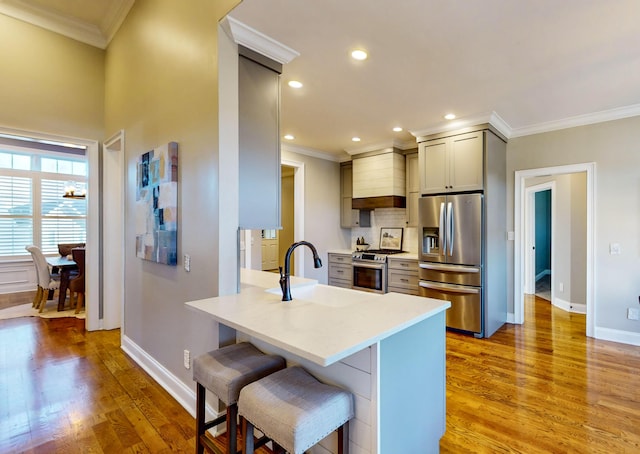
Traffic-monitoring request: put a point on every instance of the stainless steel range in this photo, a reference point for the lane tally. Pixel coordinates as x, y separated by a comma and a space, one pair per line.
370, 269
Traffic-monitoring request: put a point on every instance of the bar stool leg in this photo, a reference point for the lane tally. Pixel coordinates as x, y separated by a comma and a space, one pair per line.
343, 438
247, 433
200, 399
232, 428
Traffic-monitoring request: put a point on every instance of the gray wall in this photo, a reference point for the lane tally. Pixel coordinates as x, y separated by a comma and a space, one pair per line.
613, 146
159, 90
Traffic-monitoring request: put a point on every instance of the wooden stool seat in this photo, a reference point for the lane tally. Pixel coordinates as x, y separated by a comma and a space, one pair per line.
225, 372
295, 411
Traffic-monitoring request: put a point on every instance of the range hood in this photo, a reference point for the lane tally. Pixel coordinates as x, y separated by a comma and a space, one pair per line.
379, 180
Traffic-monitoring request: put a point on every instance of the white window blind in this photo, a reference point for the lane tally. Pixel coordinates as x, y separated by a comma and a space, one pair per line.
16, 215
63, 219
32, 208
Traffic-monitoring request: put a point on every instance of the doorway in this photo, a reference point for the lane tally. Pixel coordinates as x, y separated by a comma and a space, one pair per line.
292, 222
539, 241
521, 270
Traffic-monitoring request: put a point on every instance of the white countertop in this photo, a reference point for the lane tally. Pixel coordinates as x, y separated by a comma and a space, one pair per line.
323, 324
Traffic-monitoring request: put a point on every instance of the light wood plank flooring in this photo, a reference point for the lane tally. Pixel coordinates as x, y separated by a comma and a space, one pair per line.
538, 388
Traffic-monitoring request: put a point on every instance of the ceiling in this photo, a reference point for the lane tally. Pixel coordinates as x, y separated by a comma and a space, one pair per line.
527, 66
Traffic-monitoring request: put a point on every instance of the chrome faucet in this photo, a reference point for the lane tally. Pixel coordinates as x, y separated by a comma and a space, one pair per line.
284, 277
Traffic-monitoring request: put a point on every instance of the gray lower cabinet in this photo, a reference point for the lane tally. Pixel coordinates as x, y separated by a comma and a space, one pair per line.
402, 276
340, 270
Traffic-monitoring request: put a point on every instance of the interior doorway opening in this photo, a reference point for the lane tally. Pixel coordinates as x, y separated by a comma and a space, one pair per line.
522, 260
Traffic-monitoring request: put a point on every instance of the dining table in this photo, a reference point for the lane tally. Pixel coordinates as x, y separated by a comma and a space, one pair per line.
65, 267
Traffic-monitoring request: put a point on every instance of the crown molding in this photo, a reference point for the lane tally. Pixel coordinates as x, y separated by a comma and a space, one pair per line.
578, 120
399, 144
489, 117
311, 152
68, 26
258, 42
114, 18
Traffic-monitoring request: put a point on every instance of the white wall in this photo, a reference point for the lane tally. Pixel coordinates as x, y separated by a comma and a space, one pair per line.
614, 147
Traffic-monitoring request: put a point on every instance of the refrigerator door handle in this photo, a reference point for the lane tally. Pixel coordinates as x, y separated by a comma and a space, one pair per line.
441, 230
450, 268
450, 227
449, 288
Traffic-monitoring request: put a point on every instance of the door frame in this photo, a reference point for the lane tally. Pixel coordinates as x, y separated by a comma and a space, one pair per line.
93, 309
519, 253
530, 232
298, 212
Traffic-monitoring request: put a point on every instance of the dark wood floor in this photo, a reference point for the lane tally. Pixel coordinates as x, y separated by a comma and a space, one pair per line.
540, 387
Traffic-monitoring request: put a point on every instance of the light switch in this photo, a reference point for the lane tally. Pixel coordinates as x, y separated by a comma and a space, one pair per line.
187, 262
614, 249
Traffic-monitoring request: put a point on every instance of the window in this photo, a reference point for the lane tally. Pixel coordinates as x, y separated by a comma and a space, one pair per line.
32, 209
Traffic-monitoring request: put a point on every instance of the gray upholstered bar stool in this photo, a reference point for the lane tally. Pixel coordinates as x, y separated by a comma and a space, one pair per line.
295, 410
224, 372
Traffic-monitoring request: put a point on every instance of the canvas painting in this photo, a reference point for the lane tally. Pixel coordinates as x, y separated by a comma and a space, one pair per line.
157, 205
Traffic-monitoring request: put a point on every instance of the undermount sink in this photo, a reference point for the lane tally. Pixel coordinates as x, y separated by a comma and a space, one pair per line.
324, 294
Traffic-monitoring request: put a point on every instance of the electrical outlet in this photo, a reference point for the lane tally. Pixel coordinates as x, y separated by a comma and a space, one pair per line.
561, 286
187, 263
187, 359
633, 313
614, 249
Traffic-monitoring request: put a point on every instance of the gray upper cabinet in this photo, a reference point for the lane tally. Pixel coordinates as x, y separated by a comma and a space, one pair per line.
452, 164
259, 142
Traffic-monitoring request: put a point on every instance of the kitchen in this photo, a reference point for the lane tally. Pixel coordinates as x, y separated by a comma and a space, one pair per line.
148, 290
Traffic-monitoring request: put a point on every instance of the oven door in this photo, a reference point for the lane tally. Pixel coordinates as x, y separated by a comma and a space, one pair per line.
371, 277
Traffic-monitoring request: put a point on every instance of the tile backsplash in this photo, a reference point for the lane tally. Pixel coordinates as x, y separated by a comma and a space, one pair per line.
386, 217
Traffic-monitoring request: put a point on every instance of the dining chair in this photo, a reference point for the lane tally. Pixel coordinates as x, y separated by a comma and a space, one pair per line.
64, 249
76, 285
46, 280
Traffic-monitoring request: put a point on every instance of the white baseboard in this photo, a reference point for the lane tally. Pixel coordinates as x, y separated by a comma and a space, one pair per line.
541, 274
570, 307
616, 335
185, 395
511, 318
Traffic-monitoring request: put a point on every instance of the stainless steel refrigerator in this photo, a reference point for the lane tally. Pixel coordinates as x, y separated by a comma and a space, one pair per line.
451, 256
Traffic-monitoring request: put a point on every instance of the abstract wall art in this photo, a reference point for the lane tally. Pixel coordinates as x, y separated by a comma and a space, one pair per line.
156, 207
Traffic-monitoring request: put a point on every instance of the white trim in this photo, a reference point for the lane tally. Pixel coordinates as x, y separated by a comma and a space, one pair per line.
399, 144
113, 271
298, 212
93, 258
310, 152
68, 26
615, 335
578, 120
519, 221
250, 38
569, 306
492, 118
185, 395
541, 274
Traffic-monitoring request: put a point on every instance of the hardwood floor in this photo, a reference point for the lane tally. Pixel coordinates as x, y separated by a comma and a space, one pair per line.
65, 390
538, 388
542, 387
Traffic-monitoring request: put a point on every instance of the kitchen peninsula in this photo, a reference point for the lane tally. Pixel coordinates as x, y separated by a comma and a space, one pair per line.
388, 349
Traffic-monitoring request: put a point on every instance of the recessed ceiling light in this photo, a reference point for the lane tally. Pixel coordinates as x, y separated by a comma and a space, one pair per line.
289, 137
295, 84
397, 129
359, 54
450, 116
355, 139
